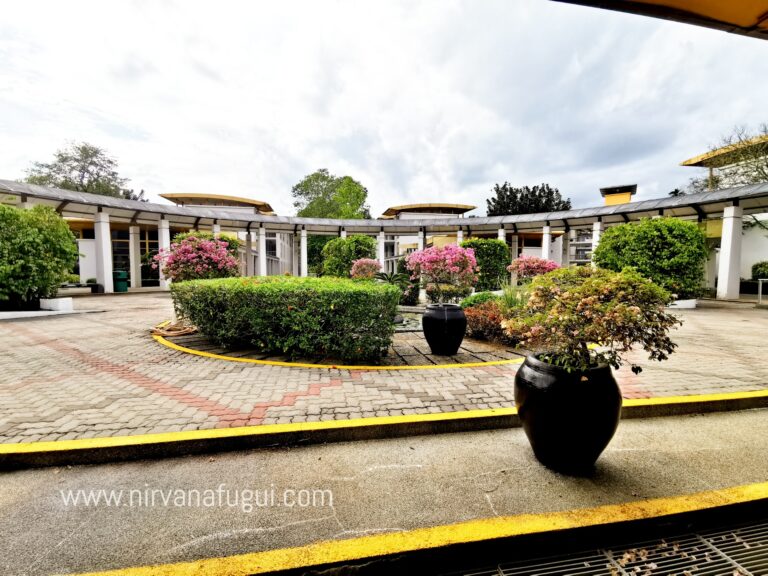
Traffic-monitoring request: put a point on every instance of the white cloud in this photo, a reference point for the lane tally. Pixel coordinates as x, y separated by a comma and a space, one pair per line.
420, 101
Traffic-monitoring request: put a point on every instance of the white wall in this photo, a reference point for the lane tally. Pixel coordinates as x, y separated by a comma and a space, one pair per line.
87, 249
754, 246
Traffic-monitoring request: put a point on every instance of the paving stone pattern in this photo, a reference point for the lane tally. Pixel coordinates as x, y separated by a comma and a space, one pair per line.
93, 375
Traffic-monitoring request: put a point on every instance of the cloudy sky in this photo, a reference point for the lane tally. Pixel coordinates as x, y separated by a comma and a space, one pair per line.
419, 100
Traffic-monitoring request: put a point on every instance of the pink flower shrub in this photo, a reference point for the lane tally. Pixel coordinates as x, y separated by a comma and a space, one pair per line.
450, 270
527, 267
197, 259
365, 269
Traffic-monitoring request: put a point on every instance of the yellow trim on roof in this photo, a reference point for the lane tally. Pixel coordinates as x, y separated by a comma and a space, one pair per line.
191, 198
450, 208
709, 158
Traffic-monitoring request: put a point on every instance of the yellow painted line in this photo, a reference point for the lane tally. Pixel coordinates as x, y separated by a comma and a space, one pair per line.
695, 398
355, 549
169, 344
242, 431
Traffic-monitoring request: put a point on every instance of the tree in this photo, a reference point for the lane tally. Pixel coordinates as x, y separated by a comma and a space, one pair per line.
82, 168
339, 254
525, 200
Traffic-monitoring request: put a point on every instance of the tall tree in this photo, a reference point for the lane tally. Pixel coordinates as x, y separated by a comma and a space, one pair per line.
83, 168
323, 195
525, 200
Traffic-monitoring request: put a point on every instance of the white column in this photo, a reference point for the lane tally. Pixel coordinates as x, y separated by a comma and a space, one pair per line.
134, 255
248, 254
565, 259
514, 246
216, 229
294, 255
103, 237
459, 237
710, 271
343, 233
421, 239
26, 204
730, 254
597, 230
381, 246
501, 234
163, 244
546, 242
303, 249
262, 251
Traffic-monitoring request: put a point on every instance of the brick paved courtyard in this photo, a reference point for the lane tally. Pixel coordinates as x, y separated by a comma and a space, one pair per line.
101, 374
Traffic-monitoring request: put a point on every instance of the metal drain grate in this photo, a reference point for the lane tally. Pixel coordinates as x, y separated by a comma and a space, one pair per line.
738, 551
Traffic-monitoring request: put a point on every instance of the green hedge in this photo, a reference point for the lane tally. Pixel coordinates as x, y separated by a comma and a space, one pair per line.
760, 270
479, 298
669, 251
339, 253
492, 257
309, 317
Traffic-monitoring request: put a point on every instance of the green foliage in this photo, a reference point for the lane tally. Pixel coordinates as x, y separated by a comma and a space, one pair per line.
395, 278
492, 257
669, 251
514, 298
525, 200
319, 318
446, 293
71, 279
760, 270
340, 253
233, 243
37, 252
484, 322
315, 245
323, 195
478, 298
410, 295
82, 168
571, 308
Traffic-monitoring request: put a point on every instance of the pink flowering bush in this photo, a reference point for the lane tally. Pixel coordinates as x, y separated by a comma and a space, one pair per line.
365, 269
527, 267
196, 258
450, 272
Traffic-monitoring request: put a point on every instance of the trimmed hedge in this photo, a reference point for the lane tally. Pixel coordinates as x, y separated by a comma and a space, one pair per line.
492, 257
478, 298
311, 317
340, 253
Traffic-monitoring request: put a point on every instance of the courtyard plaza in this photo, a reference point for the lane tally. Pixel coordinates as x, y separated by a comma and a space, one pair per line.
102, 374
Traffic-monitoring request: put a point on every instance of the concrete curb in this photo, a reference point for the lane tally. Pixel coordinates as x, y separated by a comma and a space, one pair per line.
175, 444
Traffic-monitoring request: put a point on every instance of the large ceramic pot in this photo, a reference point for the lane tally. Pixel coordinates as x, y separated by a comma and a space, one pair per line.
569, 418
444, 327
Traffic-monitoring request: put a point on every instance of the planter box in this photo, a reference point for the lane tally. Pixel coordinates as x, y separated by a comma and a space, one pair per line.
684, 304
56, 304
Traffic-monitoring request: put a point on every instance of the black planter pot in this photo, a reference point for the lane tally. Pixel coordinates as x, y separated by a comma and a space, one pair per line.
569, 418
444, 327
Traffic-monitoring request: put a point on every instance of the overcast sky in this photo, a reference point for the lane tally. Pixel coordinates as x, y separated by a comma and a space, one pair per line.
420, 101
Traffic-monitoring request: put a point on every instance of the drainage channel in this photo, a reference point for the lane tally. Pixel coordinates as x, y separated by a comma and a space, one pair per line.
740, 550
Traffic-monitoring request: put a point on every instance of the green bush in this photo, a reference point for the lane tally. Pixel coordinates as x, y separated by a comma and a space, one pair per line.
410, 295
71, 279
340, 253
37, 251
492, 259
669, 251
446, 293
233, 243
760, 270
311, 317
478, 298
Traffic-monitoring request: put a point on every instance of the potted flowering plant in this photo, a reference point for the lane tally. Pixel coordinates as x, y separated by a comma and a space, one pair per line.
449, 272
195, 258
580, 322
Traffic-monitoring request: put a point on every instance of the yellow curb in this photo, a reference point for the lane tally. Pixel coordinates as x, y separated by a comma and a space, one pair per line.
165, 342
694, 398
355, 549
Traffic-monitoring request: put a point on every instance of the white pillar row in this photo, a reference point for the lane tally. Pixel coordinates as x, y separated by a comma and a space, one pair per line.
597, 230
164, 244
459, 236
502, 235
343, 233
382, 248
248, 254
421, 239
103, 251
262, 251
565, 259
546, 242
134, 255
730, 254
304, 271
216, 229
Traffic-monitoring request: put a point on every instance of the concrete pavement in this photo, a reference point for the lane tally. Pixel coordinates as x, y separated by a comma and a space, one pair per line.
373, 487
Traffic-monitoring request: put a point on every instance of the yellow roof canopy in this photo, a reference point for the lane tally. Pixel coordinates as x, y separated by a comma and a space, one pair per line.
184, 198
726, 155
429, 208
747, 17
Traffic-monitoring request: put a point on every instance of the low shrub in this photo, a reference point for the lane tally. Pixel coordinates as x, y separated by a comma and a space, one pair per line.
365, 269
478, 298
196, 258
72, 279
528, 267
760, 270
311, 317
514, 298
669, 251
233, 243
340, 253
37, 251
492, 257
484, 322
